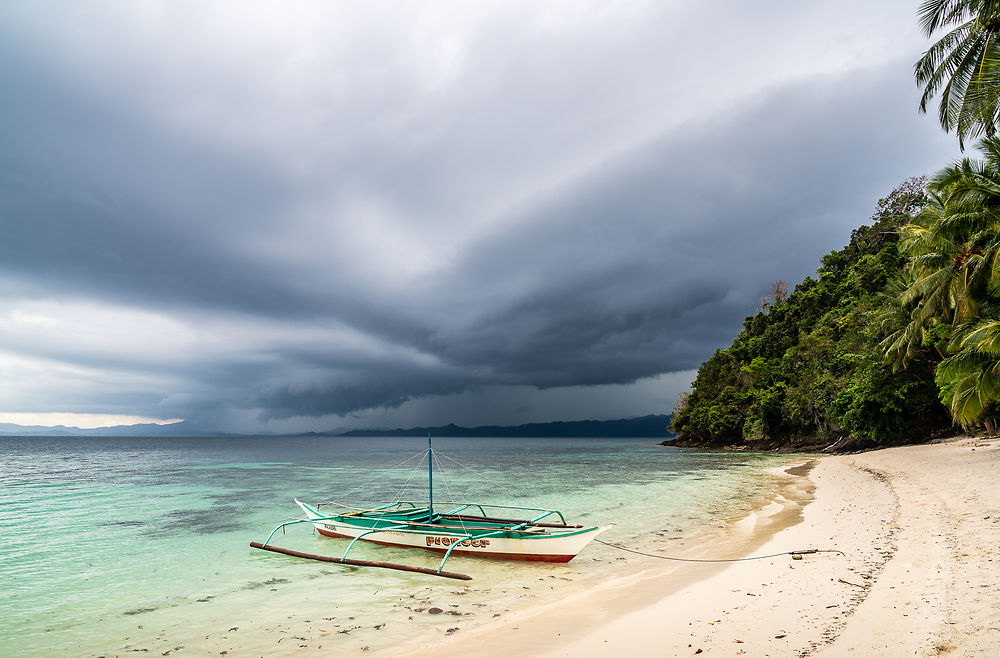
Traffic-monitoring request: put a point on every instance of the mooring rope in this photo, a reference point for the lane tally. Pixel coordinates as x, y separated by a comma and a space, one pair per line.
809, 551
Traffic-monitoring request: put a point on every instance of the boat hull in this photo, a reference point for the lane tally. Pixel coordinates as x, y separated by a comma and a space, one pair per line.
547, 546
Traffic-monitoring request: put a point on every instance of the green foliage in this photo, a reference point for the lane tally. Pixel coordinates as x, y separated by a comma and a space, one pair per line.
951, 299
906, 316
963, 65
809, 365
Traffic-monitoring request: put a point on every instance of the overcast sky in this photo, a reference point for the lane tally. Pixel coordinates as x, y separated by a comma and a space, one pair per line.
294, 216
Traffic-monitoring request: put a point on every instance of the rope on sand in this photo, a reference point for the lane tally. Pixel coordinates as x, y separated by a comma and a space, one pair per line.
809, 551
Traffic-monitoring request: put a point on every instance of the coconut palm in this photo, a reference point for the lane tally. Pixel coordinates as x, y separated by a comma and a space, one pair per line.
963, 65
953, 280
906, 334
946, 263
970, 378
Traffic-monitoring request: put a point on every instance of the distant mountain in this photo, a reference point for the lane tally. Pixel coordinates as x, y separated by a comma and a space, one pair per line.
10, 429
654, 426
143, 429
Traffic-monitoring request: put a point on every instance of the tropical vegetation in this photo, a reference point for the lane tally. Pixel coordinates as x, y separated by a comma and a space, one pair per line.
898, 336
963, 65
954, 284
808, 365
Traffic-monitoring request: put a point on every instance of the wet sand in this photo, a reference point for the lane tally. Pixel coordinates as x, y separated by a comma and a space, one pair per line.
920, 575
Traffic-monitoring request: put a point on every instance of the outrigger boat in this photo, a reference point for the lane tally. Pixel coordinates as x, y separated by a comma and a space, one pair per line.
473, 529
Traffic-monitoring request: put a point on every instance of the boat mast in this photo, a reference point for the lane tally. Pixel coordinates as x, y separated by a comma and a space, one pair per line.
430, 480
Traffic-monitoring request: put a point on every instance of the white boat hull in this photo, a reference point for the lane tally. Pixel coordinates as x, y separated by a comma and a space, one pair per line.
545, 547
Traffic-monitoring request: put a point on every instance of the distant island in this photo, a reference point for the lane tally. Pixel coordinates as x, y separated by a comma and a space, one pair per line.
653, 426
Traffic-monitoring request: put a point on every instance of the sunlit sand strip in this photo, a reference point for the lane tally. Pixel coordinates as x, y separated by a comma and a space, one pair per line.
554, 627
921, 576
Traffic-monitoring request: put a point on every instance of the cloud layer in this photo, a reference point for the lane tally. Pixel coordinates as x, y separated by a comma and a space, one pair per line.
257, 217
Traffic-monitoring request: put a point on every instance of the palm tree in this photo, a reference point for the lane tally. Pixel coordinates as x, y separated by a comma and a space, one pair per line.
970, 378
952, 279
964, 65
906, 334
946, 260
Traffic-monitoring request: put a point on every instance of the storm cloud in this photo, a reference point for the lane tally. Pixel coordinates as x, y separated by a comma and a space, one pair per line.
258, 216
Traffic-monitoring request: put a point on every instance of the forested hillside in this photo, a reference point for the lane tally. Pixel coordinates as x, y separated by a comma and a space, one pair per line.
899, 334
808, 367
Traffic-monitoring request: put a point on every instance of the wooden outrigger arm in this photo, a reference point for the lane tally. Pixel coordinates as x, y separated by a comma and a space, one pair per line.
359, 563
362, 563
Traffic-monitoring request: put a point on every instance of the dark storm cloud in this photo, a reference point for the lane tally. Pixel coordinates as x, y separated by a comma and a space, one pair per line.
98, 201
649, 264
510, 231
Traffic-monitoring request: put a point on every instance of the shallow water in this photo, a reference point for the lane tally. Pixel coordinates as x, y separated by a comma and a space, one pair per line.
114, 546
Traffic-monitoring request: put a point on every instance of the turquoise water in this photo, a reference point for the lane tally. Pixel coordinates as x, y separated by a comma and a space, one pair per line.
117, 546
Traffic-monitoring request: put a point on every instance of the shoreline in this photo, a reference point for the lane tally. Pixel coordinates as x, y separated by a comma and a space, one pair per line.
921, 576
639, 585
294, 608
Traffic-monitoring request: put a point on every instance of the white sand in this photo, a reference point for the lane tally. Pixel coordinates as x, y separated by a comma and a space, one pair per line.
920, 526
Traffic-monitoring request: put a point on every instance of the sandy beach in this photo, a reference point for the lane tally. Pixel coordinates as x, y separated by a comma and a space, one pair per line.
920, 574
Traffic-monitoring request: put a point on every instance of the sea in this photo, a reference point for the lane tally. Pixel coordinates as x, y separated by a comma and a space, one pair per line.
140, 546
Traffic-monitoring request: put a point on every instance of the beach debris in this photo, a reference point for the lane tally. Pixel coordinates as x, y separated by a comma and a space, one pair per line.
841, 580
778, 637
434, 611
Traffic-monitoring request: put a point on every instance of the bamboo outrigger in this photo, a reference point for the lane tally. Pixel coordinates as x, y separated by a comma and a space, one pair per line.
465, 528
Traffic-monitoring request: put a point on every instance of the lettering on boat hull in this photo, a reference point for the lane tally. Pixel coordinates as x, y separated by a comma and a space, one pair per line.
448, 541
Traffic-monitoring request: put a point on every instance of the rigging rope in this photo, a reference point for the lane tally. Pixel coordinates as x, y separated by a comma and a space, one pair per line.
399, 492
417, 468
444, 481
808, 551
506, 488
381, 473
